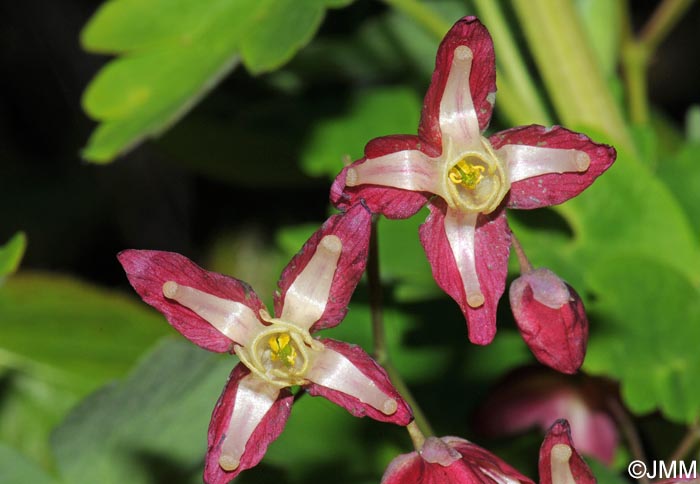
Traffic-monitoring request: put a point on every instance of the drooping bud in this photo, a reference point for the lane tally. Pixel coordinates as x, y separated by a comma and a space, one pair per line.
551, 318
559, 462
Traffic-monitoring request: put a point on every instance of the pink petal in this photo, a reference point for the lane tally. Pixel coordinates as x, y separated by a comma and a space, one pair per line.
267, 429
482, 79
408, 170
367, 366
492, 246
393, 203
551, 318
148, 270
528, 399
488, 464
353, 229
559, 462
553, 188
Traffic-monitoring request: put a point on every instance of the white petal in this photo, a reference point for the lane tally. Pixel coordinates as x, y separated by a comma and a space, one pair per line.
333, 370
525, 161
408, 169
460, 228
458, 120
254, 398
559, 461
306, 299
233, 319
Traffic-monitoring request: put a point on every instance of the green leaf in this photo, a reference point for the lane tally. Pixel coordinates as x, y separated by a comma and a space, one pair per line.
173, 53
682, 175
375, 113
602, 22
11, 253
150, 428
72, 333
17, 469
648, 337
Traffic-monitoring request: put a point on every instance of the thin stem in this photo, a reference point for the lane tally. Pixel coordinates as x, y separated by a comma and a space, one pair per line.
662, 21
376, 296
524, 262
417, 436
381, 353
628, 429
425, 16
690, 440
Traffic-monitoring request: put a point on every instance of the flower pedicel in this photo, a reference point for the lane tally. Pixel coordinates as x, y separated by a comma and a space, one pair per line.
223, 314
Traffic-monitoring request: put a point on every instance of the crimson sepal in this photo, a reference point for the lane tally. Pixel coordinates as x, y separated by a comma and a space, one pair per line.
560, 433
370, 368
353, 228
148, 270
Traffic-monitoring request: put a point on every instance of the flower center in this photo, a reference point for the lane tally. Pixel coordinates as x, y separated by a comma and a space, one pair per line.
466, 174
475, 179
281, 353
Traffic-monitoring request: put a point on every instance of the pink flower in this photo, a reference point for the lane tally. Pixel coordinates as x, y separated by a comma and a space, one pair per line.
529, 399
551, 318
466, 179
559, 461
451, 460
223, 314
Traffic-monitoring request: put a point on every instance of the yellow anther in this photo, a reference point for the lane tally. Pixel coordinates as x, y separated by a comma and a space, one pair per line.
282, 350
466, 174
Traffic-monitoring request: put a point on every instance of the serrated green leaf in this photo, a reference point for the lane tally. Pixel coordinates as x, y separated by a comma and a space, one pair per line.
71, 332
374, 113
17, 469
650, 334
151, 426
11, 253
173, 53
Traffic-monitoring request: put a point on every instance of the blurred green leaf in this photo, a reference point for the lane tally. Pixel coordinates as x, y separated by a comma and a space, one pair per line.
374, 113
73, 333
649, 340
605, 475
11, 253
682, 175
17, 469
173, 53
602, 20
150, 428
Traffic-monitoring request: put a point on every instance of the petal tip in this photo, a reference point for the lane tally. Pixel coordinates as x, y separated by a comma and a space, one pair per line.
475, 300
561, 452
228, 463
170, 289
390, 407
332, 243
463, 53
351, 177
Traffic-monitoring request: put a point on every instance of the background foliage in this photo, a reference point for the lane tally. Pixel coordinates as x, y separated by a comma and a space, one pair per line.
218, 126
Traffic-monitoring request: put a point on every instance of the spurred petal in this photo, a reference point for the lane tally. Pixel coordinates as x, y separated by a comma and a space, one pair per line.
352, 230
346, 374
409, 170
249, 415
559, 462
482, 78
149, 270
553, 188
551, 318
451, 460
394, 203
491, 249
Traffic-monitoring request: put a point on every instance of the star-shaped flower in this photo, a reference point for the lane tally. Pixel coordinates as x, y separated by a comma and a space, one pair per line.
467, 179
223, 314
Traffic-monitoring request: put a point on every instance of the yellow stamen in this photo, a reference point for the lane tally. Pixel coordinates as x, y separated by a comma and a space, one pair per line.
466, 174
282, 350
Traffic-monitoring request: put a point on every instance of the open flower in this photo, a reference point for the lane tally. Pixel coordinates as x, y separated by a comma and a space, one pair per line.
450, 460
467, 179
223, 314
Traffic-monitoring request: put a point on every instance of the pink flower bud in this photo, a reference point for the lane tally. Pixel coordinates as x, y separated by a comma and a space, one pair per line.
551, 319
450, 459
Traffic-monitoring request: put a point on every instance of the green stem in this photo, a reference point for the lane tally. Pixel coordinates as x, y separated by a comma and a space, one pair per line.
514, 81
381, 353
690, 440
637, 52
569, 68
629, 430
425, 16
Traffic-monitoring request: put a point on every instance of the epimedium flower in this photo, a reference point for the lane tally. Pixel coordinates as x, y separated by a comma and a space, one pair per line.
468, 179
225, 315
453, 460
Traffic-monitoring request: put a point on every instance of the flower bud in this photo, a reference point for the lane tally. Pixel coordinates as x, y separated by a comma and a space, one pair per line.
551, 319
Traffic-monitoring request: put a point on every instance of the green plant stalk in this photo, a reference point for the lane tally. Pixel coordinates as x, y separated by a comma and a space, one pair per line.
513, 78
380, 351
423, 15
637, 52
570, 71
